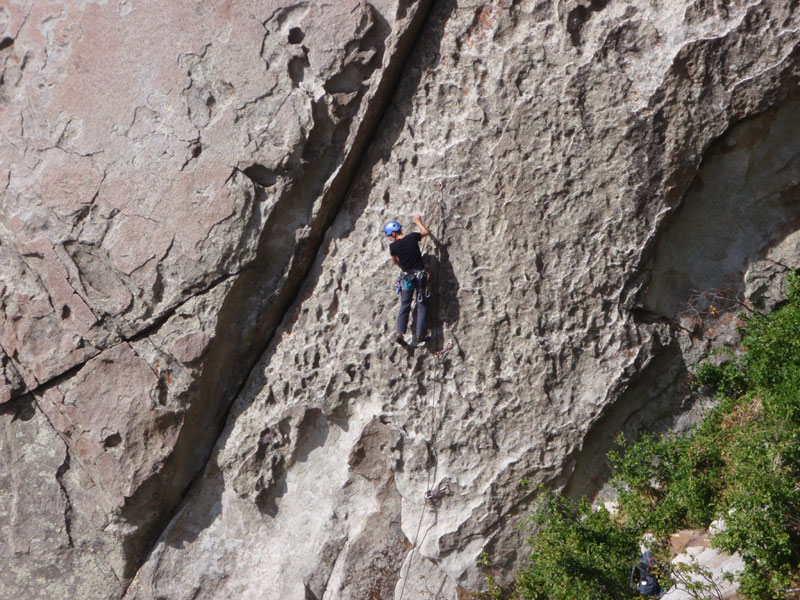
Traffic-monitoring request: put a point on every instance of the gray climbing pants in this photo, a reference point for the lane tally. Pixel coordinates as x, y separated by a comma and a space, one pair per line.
406, 298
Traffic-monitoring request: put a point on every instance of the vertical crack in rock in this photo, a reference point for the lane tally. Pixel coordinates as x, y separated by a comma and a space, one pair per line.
62, 469
313, 202
290, 240
553, 146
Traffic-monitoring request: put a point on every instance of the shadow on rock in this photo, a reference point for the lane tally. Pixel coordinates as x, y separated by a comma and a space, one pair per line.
444, 310
655, 403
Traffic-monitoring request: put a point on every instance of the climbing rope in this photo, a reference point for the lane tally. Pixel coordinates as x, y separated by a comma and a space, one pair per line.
431, 495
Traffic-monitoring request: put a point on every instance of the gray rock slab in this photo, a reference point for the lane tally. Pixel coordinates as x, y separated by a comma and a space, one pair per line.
562, 138
698, 555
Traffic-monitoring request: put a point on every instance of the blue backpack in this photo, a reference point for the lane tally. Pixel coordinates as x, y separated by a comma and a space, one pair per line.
645, 582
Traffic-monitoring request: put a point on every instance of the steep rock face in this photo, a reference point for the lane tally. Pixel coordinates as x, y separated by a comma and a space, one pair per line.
724, 252
167, 174
740, 209
564, 134
171, 174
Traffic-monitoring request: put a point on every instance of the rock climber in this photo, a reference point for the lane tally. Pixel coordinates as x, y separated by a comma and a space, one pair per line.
405, 253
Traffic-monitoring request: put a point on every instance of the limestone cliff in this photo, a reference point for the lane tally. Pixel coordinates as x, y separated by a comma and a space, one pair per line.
200, 397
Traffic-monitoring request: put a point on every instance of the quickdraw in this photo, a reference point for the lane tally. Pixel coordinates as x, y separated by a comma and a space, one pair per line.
438, 494
447, 347
422, 280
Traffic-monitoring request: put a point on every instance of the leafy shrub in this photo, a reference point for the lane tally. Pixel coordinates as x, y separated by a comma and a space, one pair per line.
742, 464
577, 553
762, 497
727, 379
668, 483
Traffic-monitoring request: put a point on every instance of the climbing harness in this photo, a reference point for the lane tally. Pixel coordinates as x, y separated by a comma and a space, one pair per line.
408, 281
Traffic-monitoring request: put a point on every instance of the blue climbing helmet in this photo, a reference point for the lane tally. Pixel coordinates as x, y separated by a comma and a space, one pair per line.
391, 227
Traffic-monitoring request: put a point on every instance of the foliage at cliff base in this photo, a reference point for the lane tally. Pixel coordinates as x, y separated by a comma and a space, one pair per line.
740, 466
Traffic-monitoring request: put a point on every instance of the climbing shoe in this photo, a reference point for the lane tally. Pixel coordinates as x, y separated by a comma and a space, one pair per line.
400, 339
421, 342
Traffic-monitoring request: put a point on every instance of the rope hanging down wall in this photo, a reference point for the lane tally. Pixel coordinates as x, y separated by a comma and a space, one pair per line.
432, 496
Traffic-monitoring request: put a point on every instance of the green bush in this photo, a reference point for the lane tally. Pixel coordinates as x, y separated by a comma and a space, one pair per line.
772, 357
727, 379
762, 498
577, 553
742, 464
668, 483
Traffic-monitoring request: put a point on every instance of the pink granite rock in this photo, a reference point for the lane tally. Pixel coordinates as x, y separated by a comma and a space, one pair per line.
190, 347
113, 417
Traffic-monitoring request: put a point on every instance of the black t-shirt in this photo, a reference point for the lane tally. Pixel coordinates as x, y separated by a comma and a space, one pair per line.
407, 252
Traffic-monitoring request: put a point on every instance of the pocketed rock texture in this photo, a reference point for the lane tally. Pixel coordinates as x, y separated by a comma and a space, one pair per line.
172, 172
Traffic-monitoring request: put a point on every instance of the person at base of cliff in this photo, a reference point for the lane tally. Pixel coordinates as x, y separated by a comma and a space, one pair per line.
405, 253
643, 578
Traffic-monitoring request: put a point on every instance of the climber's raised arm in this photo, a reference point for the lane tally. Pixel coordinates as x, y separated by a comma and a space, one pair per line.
423, 231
